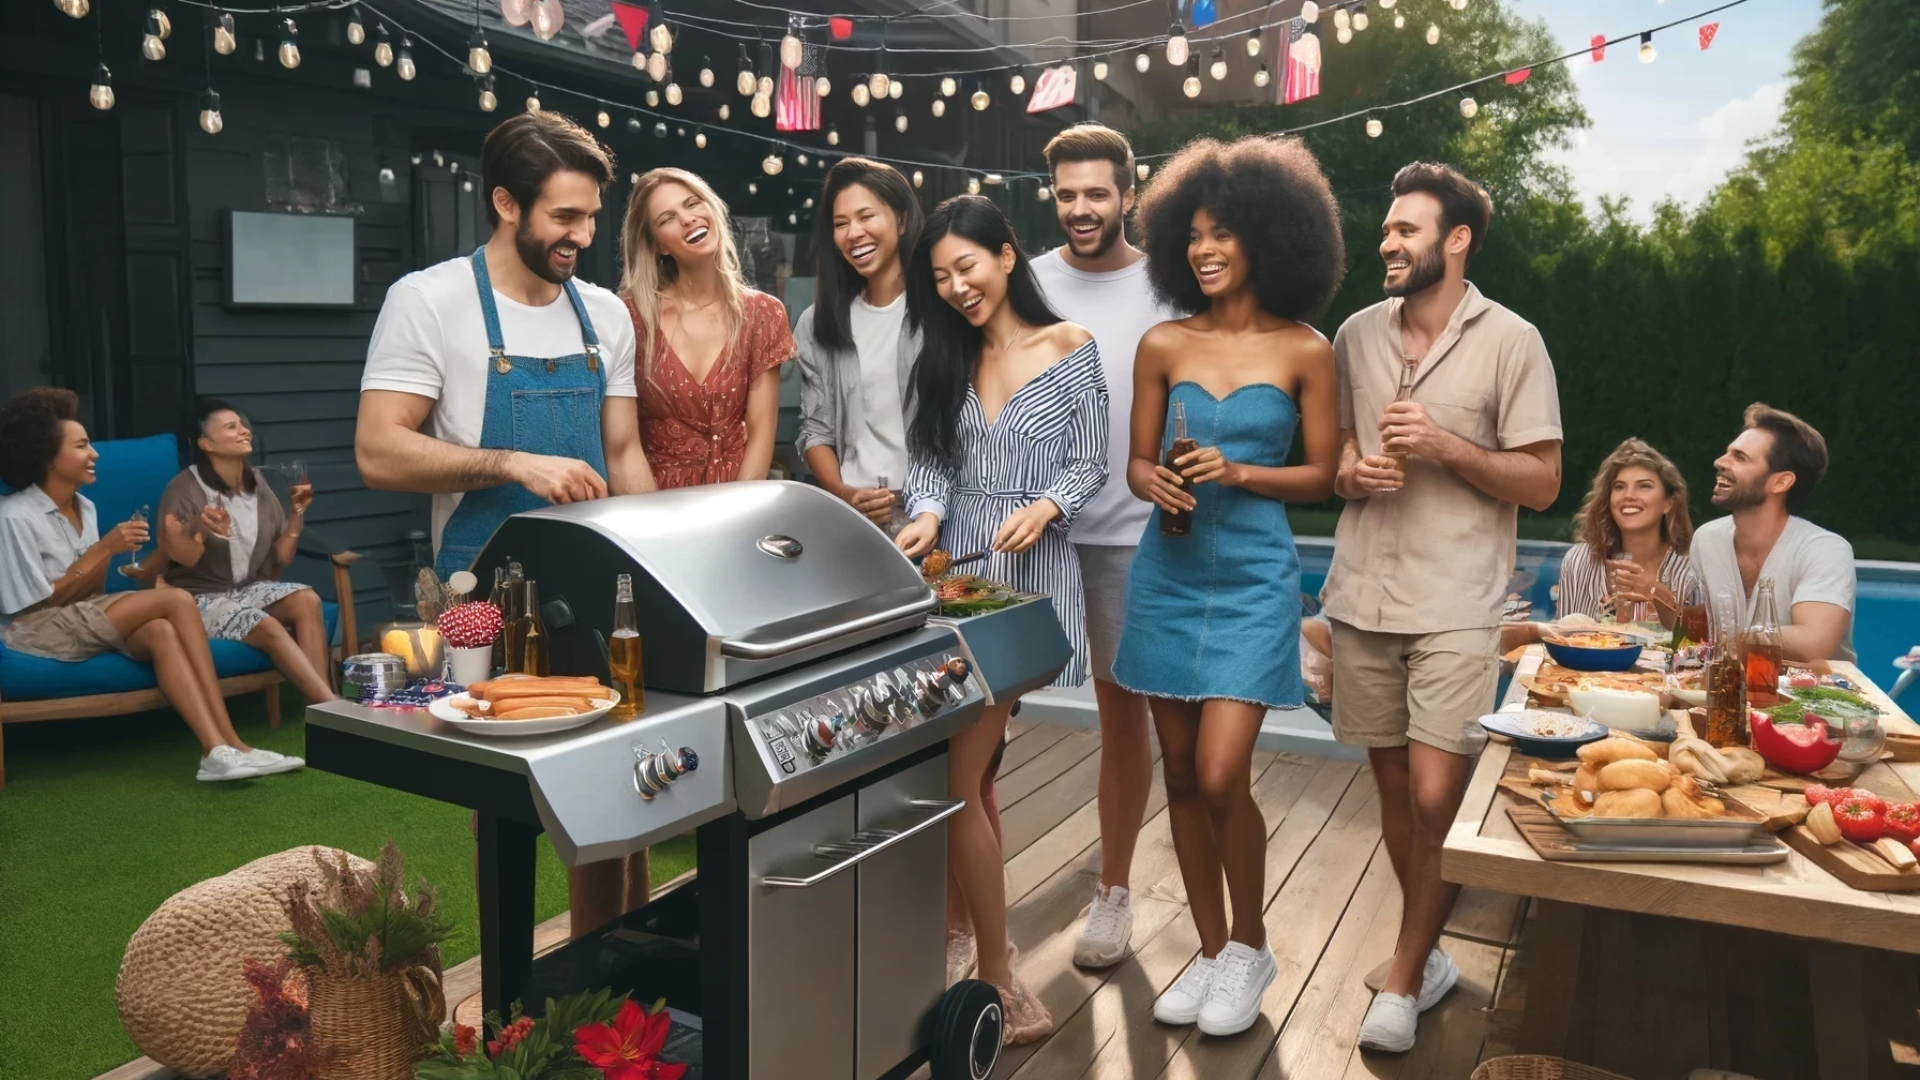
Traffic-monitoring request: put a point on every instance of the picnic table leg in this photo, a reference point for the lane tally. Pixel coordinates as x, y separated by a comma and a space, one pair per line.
506, 869
1553, 971
1844, 1022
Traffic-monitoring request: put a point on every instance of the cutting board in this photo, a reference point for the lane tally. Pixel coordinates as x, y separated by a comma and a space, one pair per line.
1851, 863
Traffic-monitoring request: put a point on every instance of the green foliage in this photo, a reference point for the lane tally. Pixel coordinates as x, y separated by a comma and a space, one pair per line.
359, 922
541, 1049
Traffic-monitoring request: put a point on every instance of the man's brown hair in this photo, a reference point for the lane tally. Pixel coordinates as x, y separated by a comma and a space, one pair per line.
1796, 448
1093, 142
524, 150
1462, 202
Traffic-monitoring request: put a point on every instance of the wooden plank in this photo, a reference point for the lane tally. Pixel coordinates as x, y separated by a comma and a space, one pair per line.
1842, 1032
1079, 835
1485, 915
1321, 1032
1044, 767
1026, 747
1552, 945
1647, 1026
131, 701
1037, 814
1452, 1032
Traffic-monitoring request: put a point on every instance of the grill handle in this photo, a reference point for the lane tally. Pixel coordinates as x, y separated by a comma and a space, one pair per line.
856, 851
767, 650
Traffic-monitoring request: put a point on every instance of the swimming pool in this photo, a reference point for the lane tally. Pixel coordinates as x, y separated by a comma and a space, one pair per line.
1886, 620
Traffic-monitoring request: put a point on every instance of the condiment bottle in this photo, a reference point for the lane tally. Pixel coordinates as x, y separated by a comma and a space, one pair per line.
1726, 677
623, 651
1179, 523
1765, 651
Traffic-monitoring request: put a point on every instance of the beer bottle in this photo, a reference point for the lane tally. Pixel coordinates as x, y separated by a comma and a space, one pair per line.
1178, 523
533, 635
623, 651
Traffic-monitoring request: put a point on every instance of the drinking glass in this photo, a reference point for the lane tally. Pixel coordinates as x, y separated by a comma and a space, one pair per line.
298, 482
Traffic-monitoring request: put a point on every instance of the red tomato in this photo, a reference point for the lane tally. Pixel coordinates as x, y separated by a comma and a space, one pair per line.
1858, 821
1879, 804
1902, 821
1821, 793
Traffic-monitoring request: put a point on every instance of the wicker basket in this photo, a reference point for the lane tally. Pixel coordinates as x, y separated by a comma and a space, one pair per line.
377, 1028
1540, 1067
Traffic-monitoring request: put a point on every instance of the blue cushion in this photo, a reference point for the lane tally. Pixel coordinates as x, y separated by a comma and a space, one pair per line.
132, 474
34, 678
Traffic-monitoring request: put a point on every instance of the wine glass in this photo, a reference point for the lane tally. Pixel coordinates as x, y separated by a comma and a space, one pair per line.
141, 514
298, 482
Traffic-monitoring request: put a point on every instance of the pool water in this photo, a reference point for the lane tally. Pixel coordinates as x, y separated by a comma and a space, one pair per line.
1887, 606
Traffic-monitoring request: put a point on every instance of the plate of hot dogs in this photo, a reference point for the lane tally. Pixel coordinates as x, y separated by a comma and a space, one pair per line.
516, 705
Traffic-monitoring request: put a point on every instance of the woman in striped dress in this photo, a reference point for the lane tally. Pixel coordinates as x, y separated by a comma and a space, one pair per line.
1634, 533
1008, 441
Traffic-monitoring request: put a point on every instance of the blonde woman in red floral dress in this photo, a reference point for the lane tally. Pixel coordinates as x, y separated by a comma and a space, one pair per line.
712, 346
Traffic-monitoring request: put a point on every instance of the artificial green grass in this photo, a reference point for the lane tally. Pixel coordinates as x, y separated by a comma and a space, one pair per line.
102, 820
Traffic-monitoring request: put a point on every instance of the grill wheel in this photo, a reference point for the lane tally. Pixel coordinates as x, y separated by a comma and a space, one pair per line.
966, 1038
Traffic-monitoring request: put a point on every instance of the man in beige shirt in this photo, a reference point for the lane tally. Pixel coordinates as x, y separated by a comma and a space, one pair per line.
1450, 422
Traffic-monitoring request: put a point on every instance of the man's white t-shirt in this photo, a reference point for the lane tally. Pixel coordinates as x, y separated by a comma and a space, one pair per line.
1118, 307
879, 446
1808, 564
431, 340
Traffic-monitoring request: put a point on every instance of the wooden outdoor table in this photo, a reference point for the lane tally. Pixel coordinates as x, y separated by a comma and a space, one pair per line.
1651, 969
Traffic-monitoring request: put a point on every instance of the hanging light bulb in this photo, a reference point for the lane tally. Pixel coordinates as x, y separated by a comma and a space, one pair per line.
224, 41
210, 121
918, 178
1433, 34
1387, 5
633, 123
533, 101
1100, 69
1342, 20
653, 99
289, 44
897, 89
674, 94
100, 94
1309, 12
1360, 18
356, 30
661, 37
386, 174
488, 102
1461, 5
808, 205
973, 185
1141, 170
166, 25
74, 9
939, 107
861, 96
823, 86
1177, 44
878, 84
772, 165
764, 85
1044, 193
382, 46
1647, 51
1399, 21
791, 51
1141, 62
1343, 34
151, 45
466, 186
833, 134
1018, 83
799, 159
948, 86
1190, 86
762, 106
1253, 44
1263, 77
725, 111
680, 131
980, 100
744, 82
640, 62
706, 71
1374, 127
403, 61
753, 188
259, 50
660, 129
657, 67
700, 138
478, 58
1218, 69
605, 119
1469, 108
994, 178
900, 121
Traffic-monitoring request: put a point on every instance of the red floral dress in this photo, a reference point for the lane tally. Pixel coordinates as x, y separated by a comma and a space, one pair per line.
695, 431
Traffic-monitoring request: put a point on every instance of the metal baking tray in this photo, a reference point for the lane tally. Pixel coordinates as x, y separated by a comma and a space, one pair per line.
1652, 834
1762, 850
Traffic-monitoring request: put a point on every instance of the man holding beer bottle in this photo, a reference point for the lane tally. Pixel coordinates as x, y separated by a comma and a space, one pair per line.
1450, 421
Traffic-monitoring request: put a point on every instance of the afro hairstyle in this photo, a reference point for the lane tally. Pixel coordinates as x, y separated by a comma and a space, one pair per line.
33, 424
1270, 193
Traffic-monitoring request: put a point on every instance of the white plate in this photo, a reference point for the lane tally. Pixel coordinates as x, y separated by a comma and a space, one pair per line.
442, 710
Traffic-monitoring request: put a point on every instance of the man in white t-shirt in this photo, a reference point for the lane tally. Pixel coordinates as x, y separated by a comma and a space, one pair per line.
459, 343
499, 384
1099, 280
1766, 475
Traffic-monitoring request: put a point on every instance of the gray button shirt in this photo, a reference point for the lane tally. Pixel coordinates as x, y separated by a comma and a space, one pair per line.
37, 545
832, 396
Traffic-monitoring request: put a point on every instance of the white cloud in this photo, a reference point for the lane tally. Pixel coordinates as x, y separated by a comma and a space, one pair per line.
1726, 132
1648, 161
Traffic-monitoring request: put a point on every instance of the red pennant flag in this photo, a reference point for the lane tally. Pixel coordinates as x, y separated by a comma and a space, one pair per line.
1599, 47
841, 26
1515, 78
633, 20
1706, 35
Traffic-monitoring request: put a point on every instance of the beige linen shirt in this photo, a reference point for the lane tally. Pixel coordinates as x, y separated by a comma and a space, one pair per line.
1436, 555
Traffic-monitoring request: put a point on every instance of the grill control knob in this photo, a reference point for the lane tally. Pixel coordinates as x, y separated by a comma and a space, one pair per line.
654, 773
873, 706
818, 734
957, 670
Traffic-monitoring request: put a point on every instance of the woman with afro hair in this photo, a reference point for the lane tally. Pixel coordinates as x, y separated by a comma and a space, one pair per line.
1246, 237
53, 573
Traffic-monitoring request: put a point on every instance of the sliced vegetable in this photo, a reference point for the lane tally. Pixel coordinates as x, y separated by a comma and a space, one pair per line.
1821, 793
1821, 824
1795, 748
1902, 821
1896, 853
1858, 821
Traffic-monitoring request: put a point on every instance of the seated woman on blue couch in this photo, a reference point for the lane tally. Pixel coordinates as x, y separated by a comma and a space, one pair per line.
228, 538
53, 572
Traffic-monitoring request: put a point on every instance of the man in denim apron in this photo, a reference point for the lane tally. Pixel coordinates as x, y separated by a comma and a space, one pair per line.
497, 383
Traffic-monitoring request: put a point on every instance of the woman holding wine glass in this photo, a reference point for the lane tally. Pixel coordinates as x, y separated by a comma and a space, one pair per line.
227, 539
1633, 533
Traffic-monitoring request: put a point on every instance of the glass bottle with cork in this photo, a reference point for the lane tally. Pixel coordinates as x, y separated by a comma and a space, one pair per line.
533, 632
499, 598
623, 651
1726, 677
1765, 651
1178, 523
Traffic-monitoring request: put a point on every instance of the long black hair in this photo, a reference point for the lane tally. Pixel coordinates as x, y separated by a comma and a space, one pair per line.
950, 345
203, 411
837, 281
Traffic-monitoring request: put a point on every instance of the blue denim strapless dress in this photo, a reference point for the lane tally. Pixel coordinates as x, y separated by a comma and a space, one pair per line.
1216, 613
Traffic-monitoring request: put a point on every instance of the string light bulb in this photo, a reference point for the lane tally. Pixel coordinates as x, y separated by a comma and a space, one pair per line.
1142, 170
661, 36
1360, 20
1647, 52
900, 121
1253, 44
1100, 69
764, 85
897, 89
289, 44
1044, 193
1433, 33
488, 102
605, 119
657, 67
700, 138
653, 99
356, 30
706, 71
993, 178
166, 25
861, 96
1218, 69
1177, 44
773, 164
1309, 12
762, 106
224, 41
878, 84
1469, 108
660, 129
403, 61
753, 188
382, 46
939, 107
799, 159
980, 100
478, 58
1342, 20
151, 45
1263, 77
1387, 5
948, 86
791, 51
725, 112
210, 121
1190, 86
1374, 127
73, 9
674, 94
100, 94
533, 101
1343, 34
1018, 83
633, 123
823, 86
973, 185
918, 178
833, 134
744, 82
1141, 62
1399, 21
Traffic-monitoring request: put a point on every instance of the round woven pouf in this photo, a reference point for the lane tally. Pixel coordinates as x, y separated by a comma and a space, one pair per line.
182, 992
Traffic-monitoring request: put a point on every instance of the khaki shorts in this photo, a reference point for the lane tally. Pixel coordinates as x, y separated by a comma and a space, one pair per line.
1389, 688
72, 632
1103, 577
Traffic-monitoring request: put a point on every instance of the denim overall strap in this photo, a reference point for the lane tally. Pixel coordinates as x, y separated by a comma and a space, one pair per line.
539, 405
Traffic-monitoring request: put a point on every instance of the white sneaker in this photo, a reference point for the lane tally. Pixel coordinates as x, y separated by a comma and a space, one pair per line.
1107, 937
1390, 1023
1183, 1000
1233, 1003
1436, 979
225, 763
266, 762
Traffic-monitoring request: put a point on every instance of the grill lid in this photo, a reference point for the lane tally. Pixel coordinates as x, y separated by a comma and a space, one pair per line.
732, 581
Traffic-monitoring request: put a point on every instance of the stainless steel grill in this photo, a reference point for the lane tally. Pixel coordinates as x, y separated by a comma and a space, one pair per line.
800, 695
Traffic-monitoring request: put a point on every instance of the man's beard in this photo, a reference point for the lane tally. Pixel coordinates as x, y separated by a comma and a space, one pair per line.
1424, 270
538, 257
1740, 496
1103, 241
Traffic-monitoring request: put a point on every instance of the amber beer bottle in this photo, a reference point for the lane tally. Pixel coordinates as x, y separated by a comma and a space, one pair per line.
623, 651
1180, 523
533, 633
1765, 652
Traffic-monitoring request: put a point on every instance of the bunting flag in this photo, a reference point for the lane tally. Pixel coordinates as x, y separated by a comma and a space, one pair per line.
1599, 47
1706, 35
633, 21
1054, 88
795, 102
840, 26
1300, 79
1515, 78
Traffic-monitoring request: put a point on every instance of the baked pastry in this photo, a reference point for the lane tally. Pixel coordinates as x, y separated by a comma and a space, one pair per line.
1633, 773
1629, 803
1608, 751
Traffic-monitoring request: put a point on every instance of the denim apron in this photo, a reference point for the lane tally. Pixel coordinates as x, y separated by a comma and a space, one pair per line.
537, 405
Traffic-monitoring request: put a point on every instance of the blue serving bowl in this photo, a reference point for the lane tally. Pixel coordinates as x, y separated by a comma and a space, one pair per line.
1512, 726
1579, 659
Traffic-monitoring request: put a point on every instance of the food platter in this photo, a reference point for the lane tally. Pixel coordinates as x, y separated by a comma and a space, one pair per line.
1735, 830
962, 595
444, 709
1544, 734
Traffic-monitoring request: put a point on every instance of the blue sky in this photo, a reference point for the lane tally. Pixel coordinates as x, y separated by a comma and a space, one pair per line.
1677, 125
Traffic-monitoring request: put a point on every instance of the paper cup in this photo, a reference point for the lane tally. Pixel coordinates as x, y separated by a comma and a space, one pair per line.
471, 665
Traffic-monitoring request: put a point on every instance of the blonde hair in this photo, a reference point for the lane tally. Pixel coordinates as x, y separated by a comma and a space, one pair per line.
647, 270
1594, 524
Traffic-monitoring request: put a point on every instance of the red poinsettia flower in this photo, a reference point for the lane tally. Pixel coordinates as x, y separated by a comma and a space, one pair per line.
465, 1038
629, 1048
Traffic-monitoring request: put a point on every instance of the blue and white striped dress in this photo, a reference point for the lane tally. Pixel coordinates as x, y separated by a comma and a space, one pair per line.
1050, 442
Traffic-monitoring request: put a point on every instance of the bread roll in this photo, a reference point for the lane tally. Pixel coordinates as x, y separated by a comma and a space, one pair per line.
1608, 751
1586, 785
1679, 804
1633, 773
1630, 803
